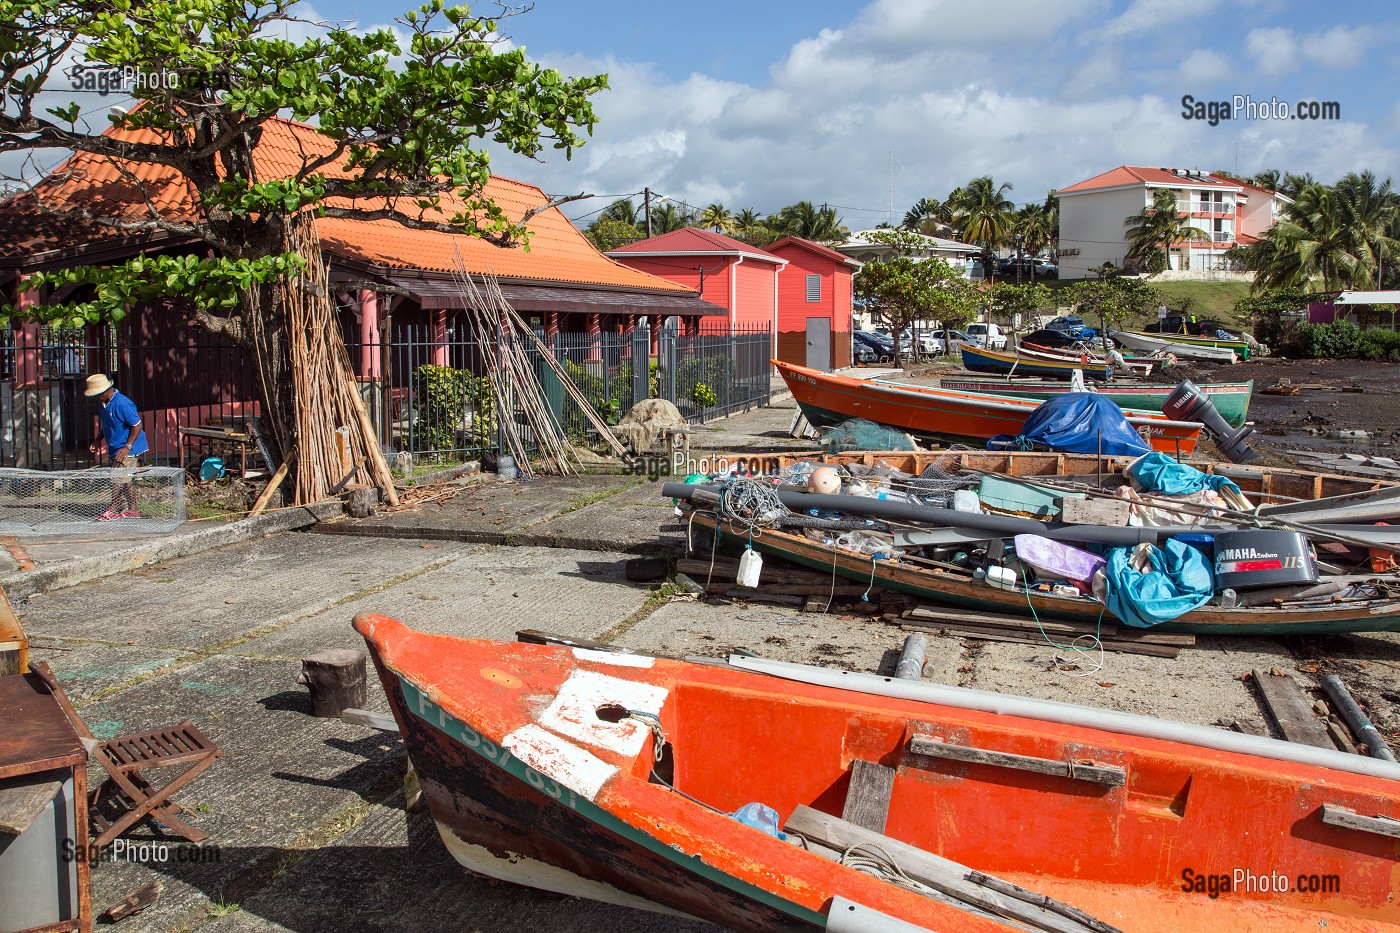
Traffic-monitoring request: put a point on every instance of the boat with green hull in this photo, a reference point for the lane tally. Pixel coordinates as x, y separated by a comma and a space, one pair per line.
1231, 399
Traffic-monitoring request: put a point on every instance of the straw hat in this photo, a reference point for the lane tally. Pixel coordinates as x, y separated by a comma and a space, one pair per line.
97, 384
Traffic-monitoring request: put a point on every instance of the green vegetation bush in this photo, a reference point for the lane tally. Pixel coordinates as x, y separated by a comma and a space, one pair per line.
443, 394
1341, 340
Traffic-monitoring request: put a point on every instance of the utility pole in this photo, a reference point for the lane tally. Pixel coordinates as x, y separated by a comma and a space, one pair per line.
646, 209
891, 221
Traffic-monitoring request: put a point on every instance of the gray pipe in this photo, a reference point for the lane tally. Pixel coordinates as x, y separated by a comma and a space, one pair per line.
1355, 718
911, 659
1000, 526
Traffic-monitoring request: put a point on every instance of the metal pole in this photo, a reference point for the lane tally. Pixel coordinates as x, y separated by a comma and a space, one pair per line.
1356, 719
911, 659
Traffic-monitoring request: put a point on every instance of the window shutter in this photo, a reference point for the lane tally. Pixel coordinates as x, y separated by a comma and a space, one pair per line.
814, 288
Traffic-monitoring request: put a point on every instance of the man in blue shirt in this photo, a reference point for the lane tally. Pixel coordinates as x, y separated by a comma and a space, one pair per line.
124, 443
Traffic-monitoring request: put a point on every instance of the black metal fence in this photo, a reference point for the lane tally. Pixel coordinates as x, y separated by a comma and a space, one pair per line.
427, 392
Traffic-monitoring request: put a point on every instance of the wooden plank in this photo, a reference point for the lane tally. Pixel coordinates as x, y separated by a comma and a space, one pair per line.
1291, 711
1340, 738
364, 717
868, 798
14, 644
1095, 511
534, 636
1250, 727
1016, 624
1035, 638
1105, 775
941, 874
1334, 815
134, 903
23, 799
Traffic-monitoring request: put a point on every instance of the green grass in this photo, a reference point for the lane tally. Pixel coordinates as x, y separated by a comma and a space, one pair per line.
1208, 299
220, 908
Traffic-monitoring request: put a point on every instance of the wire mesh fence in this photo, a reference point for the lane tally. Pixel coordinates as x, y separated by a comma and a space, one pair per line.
142, 499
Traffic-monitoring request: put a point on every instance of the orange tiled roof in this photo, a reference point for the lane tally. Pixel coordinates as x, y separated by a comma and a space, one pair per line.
695, 240
1138, 175
558, 252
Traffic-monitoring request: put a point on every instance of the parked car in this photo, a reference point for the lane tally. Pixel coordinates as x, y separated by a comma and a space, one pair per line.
879, 344
987, 335
1072, 325
862, 353
1052, 339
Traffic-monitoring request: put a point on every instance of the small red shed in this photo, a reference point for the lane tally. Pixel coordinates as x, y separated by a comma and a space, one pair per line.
815, 292
740, 278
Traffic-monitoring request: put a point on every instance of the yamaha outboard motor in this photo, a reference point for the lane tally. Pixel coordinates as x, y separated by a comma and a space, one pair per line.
1188, 403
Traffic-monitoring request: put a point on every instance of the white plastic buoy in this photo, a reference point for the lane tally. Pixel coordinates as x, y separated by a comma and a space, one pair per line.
750, 566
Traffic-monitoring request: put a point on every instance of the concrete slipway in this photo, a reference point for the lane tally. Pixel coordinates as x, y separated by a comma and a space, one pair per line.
307, 813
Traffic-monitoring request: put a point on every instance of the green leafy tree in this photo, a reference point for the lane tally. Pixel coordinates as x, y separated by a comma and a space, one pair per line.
669, 216
1003, 301
608, 234
1271, 313
624, 210
1113, 301
901, 291
407, 121
928, 216
1158, 227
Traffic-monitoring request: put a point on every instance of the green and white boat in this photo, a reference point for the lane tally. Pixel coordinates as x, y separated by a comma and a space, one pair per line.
1231, 398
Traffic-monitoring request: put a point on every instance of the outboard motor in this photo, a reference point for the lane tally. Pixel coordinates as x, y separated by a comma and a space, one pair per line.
1188, 403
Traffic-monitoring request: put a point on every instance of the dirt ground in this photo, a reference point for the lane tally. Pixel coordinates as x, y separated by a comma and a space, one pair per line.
1339, 395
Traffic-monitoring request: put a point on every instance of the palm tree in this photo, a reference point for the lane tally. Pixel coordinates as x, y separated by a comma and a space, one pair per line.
1033, 225
1290, 185
666, 217
1052, 212
717, 218
1160, 225
928, 215
1268, 178
1373, 208
982, 213
1318, 238
623, 211
746, 220
803, 219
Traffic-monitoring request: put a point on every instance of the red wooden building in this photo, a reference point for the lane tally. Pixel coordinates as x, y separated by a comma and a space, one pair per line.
741, 279
814, 304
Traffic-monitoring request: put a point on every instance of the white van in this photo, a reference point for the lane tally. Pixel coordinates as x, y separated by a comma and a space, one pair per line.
987, 335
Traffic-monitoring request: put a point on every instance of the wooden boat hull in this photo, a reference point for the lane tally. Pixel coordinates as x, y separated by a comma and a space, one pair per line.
1152, 343
1118, 852
961, 589
1040, 366
827, 399
1231, 398
1261, 484
1241, 347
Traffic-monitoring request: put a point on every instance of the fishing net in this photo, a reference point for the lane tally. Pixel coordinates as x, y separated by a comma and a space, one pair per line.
859, 434
36, 502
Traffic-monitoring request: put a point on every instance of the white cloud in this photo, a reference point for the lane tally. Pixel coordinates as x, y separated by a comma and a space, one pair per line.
1274, 50
1205, 66
1338, 47
1143, 17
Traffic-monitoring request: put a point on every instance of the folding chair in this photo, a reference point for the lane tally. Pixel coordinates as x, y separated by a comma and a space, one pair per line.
126, 759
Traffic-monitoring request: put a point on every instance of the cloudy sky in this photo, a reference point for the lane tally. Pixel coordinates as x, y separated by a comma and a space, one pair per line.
761, 103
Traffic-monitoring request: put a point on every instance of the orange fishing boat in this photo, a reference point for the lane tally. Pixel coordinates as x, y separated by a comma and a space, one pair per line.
944, 415
611, 776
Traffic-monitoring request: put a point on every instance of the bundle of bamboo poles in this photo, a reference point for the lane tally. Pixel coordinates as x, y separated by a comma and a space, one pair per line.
515, 381
336, 444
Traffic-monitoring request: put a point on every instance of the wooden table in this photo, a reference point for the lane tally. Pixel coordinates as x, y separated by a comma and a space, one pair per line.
38, 741
215, 435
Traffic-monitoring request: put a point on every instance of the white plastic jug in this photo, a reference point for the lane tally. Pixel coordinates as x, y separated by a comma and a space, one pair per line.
750, 566
1001, 578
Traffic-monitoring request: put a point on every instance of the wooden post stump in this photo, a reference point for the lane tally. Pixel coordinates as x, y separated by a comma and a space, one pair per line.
362, 501
336, 679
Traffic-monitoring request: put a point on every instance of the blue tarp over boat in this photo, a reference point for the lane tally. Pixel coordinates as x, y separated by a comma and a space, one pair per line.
1081, 422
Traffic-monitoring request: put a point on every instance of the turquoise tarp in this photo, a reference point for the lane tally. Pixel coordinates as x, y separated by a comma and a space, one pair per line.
1180, 580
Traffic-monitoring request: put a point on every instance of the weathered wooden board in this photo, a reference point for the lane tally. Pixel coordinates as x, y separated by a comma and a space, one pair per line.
868, 797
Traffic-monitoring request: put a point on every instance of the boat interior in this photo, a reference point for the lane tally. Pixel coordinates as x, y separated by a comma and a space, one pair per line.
1133, 833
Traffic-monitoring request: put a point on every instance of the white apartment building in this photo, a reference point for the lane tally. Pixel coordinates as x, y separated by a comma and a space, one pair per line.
1092, 214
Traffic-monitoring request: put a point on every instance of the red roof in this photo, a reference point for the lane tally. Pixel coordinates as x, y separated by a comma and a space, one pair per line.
1156, 177
810, 246
558, 251
694, 240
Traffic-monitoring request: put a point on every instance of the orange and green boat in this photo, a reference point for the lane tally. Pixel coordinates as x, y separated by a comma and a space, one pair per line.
943, 415
612, 776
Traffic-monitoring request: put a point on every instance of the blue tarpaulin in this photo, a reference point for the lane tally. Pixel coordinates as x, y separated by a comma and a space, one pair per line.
1159, 473
1180, 580
1080, 422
